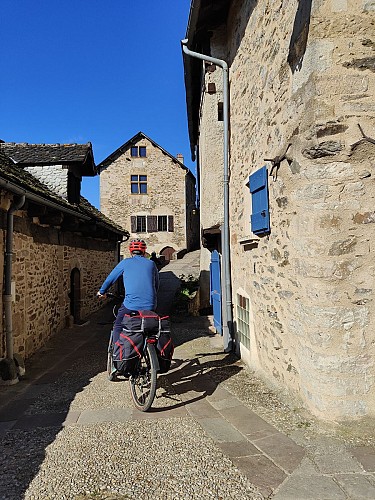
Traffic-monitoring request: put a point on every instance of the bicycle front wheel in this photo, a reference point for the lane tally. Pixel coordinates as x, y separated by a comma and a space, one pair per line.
143, 384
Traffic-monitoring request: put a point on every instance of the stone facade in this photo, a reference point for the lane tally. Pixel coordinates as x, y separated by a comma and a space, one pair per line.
43, 260
302, 83
61, 247
167, 208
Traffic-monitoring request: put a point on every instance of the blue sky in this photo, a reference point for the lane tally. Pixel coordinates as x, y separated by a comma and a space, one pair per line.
75, 71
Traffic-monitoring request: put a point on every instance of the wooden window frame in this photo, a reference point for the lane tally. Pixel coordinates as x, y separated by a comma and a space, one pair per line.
138, 184
138, 152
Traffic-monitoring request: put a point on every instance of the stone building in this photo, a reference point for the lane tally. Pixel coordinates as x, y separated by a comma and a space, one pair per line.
144, 187
55, 248
301, 187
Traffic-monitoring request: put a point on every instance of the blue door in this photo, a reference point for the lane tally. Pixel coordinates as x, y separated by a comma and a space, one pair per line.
215, 290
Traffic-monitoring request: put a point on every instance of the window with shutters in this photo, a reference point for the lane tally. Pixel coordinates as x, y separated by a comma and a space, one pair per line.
243, 320
141, 224
138, 184
151, 223
170, 224
162, 223
260, 215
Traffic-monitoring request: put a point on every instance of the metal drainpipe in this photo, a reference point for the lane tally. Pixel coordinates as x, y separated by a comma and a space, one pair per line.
7, 297
228, 327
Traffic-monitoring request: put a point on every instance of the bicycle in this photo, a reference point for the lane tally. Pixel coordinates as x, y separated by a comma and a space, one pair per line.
143, 381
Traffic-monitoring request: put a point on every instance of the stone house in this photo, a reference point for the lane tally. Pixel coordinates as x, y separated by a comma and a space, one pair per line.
301, 217
55, 247
144, 187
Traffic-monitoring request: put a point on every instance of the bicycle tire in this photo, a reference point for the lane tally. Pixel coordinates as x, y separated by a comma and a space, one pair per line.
110, 366
143, 385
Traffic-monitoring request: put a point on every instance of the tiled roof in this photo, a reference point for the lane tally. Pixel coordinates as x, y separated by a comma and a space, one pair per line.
47, 154
23, 180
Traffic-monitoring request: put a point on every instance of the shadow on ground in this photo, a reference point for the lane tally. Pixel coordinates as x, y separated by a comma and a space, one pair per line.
33, 412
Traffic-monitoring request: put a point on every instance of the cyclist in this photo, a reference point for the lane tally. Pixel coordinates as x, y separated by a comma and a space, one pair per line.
141, 282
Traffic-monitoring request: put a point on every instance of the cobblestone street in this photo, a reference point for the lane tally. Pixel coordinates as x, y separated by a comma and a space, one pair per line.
214, 432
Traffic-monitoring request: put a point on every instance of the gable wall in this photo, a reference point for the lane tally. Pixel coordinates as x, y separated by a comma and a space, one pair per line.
311, 281
166, 195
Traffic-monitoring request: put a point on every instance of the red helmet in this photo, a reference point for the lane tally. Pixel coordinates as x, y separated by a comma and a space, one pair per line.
138, 246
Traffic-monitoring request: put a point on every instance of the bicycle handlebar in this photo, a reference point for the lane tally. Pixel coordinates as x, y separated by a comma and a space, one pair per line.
111, 295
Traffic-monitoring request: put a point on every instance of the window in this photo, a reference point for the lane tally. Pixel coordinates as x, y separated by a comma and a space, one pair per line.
220, 111
260, 214
243, 320
138, 151
138, 184
162, 223
141, 224
151, 223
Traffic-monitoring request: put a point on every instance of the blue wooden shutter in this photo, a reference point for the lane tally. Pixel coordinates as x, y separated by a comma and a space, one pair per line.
260, 214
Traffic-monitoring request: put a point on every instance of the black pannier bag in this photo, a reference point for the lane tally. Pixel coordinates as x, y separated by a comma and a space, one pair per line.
141, 321
164, 346
148, 323
127, 352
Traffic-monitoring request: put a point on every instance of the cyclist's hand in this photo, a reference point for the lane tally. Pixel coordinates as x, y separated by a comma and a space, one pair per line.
101, 296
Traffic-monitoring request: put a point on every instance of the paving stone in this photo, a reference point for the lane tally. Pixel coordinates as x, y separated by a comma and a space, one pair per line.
105, 415
72, 418
220, 430
6, 426
230, 402
160, 413
239, 449
205, 384
202, 409
34, 391
191, 397
48, 378
309, 488
220, 394
365, 456
247, 422
283, 451
306, 468
356, 485
27, 422
14, 409
336, 463
185, 387
262, 473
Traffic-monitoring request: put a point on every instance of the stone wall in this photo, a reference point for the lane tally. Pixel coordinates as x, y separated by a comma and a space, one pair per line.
211, 150
41, 275
166, 195
302, 73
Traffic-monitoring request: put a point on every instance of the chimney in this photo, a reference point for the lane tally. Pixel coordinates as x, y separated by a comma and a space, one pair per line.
180, 157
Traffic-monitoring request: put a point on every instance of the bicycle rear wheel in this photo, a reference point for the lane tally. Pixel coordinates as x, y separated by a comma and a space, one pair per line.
143, 384
111, 371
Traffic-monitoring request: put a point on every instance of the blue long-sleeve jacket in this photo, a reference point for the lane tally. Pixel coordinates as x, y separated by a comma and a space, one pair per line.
141, 282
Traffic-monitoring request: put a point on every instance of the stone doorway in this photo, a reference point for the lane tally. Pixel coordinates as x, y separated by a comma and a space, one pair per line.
167, 254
